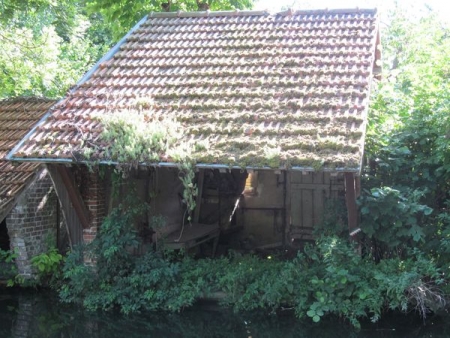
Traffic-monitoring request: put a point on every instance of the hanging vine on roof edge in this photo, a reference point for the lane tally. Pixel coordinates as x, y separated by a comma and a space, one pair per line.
136, 135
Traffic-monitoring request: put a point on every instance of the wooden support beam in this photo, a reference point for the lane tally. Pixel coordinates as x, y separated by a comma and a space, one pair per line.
74, 211
284, 213
74, 195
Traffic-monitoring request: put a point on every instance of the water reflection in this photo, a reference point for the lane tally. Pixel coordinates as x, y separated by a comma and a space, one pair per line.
27, 315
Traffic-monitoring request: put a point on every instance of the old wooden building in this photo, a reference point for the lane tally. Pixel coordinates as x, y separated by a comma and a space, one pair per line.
271, 107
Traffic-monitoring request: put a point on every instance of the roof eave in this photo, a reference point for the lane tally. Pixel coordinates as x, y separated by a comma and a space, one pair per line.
174, 165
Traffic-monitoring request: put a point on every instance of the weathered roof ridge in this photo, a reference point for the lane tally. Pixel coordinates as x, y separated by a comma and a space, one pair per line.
181, 14
330, 11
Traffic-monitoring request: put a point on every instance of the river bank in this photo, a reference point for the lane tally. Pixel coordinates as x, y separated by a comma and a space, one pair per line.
27, 313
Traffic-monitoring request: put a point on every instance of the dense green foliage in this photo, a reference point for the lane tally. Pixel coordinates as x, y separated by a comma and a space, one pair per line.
48, 266
407, 178
328, 279
46, 46
8, 267
123, 14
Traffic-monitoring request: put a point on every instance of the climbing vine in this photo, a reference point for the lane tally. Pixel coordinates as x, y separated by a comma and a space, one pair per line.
136, 135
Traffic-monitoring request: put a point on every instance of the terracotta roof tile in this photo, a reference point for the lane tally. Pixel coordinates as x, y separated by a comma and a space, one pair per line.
298, 82
17, 117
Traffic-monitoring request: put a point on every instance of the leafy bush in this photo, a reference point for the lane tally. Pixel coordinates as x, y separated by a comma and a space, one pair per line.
334, 220
407, 172
392, 219
8, 266
328, 279
48, 266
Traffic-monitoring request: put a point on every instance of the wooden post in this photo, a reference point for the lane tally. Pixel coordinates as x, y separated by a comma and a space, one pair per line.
358, 186
352, 210
74, 195
198, 204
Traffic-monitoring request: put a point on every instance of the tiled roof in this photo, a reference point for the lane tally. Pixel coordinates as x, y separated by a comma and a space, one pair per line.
292, 86
17, 117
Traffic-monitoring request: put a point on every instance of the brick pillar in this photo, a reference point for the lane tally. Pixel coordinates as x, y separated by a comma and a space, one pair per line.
93, 193
33, 222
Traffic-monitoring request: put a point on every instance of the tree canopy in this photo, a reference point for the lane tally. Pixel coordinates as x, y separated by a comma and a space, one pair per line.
123, 14
407, 179
48, 44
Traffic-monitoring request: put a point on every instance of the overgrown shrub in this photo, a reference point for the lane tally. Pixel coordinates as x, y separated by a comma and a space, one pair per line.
8, 266
406, 178
392, 221
328, 279
48, 266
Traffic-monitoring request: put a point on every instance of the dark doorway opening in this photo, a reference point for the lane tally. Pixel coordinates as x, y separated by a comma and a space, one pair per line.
4, 237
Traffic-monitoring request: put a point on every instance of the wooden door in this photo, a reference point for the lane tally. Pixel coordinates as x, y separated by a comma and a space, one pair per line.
309, 192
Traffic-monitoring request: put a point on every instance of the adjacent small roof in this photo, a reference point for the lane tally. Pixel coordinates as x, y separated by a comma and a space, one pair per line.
17, 117
284, 90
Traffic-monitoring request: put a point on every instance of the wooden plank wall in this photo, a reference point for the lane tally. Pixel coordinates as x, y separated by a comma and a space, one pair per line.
308, 192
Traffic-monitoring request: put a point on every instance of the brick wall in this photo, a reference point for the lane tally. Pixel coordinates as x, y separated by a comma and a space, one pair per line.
92, 191
32, 222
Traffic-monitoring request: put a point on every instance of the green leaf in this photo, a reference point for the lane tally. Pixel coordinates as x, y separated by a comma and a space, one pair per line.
290, 288
427, 211
404, 151
398, 224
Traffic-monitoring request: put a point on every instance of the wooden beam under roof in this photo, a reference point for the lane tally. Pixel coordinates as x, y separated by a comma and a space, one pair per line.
74, 210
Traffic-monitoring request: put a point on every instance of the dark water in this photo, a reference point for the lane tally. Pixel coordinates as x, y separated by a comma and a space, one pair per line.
27, 314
